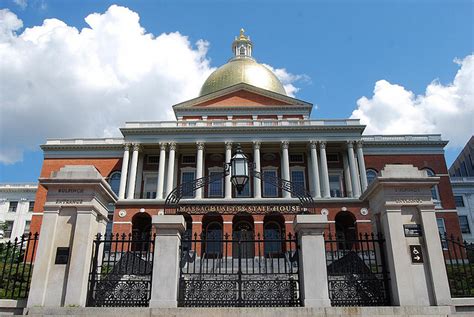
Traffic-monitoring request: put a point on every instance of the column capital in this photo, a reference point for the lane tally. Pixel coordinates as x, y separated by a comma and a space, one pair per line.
136, 146
313, 145
285, 145
200, 145
127, 146
256, 145
172, 146
228, 145
322, 144
359, 144
163, 146
350, 143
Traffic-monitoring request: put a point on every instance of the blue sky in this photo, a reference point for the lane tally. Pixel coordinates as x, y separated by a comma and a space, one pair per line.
343, 47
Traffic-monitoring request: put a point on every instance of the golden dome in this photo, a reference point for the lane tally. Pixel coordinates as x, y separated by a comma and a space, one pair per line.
242, 69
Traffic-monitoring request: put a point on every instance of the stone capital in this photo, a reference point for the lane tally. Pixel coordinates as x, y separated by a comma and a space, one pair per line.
285, 145
256, 145
359, 144
136, 147
322, 144
200, 145
172, 146
350, 144
163, 146
313, 145
228, 146
126, 147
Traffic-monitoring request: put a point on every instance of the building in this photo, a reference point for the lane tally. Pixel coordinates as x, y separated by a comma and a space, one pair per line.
244, 103
462, 181
17, 202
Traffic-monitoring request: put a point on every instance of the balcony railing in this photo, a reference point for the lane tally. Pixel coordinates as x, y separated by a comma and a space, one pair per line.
402, 138
239, 123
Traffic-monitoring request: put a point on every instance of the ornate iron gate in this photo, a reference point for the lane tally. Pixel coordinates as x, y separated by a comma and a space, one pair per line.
121, 271
357, 272
240, 271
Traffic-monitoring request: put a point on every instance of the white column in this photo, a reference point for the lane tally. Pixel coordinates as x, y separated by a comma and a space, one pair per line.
257, 183
285, 166
161, 171
228, 157
315, 170
199, 166
123, 174
353, 169
347, 175
133, 172
360, 159
169, 176
139, 178
324, 170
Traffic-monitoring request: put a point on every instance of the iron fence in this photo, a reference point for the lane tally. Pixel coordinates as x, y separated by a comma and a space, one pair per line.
121, 271
241, 271
357, 271
459, 259
16, 266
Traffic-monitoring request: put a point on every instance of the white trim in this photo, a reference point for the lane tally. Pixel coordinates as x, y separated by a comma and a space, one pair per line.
298, 168
122, 222
266, 169
363, 221
337, 172
183, 170
215, 169
446, 210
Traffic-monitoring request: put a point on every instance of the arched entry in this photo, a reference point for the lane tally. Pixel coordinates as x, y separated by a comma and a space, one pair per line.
212, 225
141, 231
346, 229
243, 236
274, 229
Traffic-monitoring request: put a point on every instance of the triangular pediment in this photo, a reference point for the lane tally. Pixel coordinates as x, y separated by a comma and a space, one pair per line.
241, 95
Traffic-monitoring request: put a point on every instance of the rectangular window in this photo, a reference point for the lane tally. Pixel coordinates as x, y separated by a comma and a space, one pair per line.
216, 186
151, 184
442, 231
297, 178
464, 223
188, 159
187, 177
332, 157
459, 201
296, 158
27, 228
269, 190
153, 159
245, 191
13, 206
335, 185
7, 233
31, 206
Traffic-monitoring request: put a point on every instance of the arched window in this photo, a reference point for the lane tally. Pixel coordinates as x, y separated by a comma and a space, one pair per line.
212, 225
242, 50
434, 189
114, 181
371, 175
141, 231
272, 233
346, 230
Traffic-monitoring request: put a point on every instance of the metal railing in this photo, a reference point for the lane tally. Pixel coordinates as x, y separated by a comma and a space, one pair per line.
16, 266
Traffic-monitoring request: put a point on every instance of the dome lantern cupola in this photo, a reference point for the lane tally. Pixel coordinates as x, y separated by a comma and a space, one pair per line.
242, 68
242, 46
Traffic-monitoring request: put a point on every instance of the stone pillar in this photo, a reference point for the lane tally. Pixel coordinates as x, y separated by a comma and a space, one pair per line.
285, 166
315, 170
199, 166
347, 175
402, 196
166, 257
360, 160
257, 182
171, 158
161, 172
312, 259
228, 184
123, 174
324, 170
353, 169
133, 172
75, 211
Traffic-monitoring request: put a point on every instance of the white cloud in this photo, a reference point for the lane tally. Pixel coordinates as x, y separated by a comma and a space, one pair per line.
58, 81
288, 79
21, 3
446, 109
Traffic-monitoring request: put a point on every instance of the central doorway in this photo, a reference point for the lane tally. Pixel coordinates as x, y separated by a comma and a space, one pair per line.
243, 236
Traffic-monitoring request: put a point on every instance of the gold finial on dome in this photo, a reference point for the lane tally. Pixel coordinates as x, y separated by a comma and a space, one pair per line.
242, 35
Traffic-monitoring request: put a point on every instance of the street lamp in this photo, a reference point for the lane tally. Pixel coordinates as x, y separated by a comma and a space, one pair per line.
239, 169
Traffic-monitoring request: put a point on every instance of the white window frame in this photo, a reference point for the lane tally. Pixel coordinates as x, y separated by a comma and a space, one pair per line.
298, 169
468, 225
149, 175
31, 204
340, 173
215, 169
462, 199
273, 169
370, 170
110, 178
443, 244
437, 202
187, 170
10, 204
